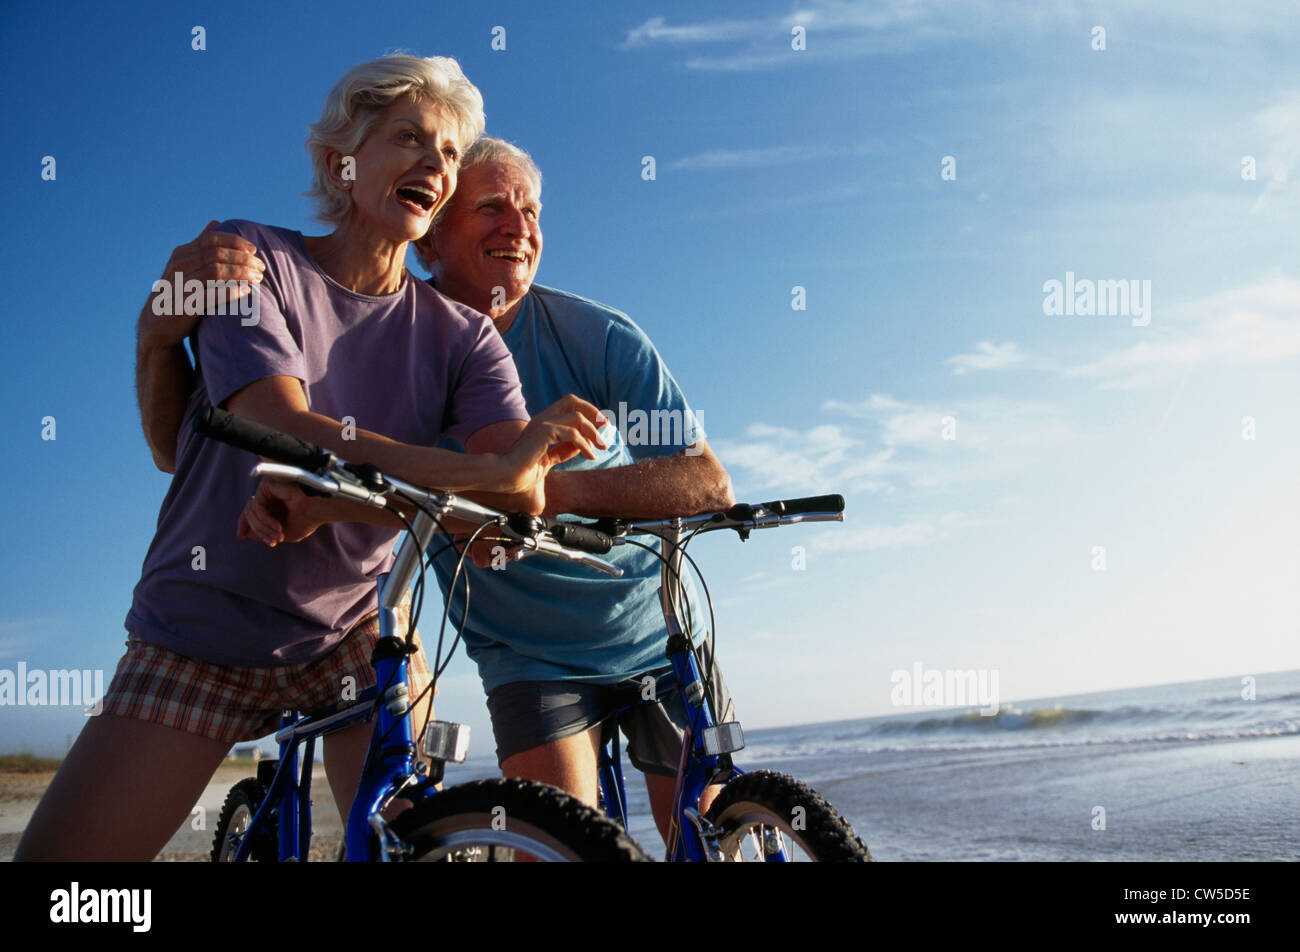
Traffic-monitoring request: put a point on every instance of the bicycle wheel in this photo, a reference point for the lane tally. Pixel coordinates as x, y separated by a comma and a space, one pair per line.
236, 814
488, 821
758, 812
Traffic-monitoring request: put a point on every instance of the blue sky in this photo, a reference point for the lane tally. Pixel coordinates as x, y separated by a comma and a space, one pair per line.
775, 168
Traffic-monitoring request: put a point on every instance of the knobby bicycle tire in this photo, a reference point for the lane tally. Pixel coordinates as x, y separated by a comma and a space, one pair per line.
492, 820
754, 808
236, 813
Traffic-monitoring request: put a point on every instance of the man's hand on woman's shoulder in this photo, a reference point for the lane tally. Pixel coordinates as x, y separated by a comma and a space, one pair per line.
212, 256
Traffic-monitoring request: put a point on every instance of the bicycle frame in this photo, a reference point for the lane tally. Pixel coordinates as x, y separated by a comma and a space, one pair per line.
389, 770
391, 766
688, 838
708, 745
706, 751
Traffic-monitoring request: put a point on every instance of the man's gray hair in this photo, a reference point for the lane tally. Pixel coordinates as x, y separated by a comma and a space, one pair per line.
353, 106
485, 149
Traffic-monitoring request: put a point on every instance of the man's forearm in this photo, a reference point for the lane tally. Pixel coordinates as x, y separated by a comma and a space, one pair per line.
653, 489
163, 381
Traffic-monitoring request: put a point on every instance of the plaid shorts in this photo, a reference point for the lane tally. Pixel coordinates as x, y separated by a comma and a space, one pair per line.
240, 704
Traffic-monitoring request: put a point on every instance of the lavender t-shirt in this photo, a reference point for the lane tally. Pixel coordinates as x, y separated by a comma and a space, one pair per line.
412, 365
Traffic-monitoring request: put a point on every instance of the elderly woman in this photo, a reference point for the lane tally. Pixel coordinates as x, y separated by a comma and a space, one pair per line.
554, 650
351, 352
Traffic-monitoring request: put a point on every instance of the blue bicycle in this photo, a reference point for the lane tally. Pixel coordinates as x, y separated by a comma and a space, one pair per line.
268, 818
761, 816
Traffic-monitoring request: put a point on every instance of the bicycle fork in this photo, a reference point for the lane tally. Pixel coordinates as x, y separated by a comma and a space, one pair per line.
706, 743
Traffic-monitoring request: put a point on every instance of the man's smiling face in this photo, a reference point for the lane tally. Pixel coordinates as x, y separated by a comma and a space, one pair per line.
490, 237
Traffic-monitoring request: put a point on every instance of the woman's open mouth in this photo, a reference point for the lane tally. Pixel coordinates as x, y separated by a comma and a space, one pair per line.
418, 198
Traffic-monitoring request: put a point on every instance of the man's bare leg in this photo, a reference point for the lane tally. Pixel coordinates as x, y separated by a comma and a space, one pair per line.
661, 790
568, 763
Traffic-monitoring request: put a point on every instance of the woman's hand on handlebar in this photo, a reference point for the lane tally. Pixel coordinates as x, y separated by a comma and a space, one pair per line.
563, 430
278, 512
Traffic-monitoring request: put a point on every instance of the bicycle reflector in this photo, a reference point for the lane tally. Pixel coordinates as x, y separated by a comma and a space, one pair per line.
723, 739
445, 741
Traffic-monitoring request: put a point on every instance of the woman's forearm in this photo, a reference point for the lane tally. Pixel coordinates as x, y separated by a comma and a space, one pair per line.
279, 402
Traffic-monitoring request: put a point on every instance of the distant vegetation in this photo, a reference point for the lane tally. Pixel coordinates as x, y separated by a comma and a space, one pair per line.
27, 763
30, 763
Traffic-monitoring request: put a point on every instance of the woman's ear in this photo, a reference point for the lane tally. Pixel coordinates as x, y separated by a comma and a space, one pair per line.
342, 169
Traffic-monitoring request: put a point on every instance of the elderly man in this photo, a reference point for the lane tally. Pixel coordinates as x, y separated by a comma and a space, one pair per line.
552, 645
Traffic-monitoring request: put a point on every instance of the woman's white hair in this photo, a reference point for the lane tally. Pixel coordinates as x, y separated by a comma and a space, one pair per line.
353, 106
484, 149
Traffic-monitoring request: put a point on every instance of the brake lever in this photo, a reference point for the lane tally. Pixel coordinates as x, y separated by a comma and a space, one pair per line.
315, 485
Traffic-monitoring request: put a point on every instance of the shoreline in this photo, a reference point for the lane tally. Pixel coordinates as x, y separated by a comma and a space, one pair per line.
1213, 800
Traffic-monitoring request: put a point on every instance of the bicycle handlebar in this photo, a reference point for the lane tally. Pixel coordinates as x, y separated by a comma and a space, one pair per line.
582, 537
794, 507
741, 516
319, 471
262, 440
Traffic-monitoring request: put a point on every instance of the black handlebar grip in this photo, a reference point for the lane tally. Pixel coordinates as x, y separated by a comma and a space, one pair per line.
262, 440
582, 538
793, 507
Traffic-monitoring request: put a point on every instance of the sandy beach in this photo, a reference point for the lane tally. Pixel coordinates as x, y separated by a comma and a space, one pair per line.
20, 792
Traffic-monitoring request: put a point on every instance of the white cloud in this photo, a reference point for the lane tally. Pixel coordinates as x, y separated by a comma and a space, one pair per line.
905, 534
719, 159
889, 446
879, 537
19, 635
1276, 129
782, 459
991, 423
657, 30
839, 28
988, 356
1254, 325
14, 647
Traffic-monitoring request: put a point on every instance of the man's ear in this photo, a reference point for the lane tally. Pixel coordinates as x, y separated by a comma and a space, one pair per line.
426, 253
425, 246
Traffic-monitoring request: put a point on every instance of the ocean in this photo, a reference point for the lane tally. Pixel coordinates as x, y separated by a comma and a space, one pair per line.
1192, 771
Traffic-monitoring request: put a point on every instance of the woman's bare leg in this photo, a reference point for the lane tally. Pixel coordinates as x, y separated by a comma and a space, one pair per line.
345, 755
121, 793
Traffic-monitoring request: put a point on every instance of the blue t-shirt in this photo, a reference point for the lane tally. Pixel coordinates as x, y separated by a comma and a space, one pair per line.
542, 619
